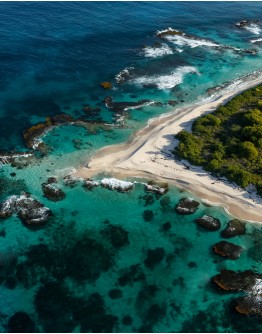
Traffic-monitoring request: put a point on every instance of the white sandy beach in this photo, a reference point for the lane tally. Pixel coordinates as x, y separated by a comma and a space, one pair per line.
147, 154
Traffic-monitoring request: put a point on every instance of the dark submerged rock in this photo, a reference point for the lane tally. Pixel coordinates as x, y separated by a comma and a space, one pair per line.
87, 259
166, 226
54, 307
154, 257
11, 282
209, 223
187, 206
227, 249
52, 192
127, 320
234, 227
133, 274
148, 215
21, 322
117, 236
115, 294
93, 317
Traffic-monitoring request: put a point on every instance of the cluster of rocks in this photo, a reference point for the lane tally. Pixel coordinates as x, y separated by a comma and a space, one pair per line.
167, 33
245, 281
245, 23
32, 213
90, 184
154, 187
51, 191
32, 134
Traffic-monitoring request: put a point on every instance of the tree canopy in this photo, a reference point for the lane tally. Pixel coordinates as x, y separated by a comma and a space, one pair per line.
228, 142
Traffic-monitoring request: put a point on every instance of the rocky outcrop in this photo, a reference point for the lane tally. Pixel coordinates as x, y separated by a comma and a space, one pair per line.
227, 249
70, 181
90, 184
154, 187
32, 135
230, 280
234, 227
7, 207
52, 192
32, 213
249, 305
187, 206
209, 223
115, 184
124, 106
245, 23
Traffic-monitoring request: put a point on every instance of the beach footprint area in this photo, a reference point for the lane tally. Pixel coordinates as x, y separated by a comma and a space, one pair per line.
102, 228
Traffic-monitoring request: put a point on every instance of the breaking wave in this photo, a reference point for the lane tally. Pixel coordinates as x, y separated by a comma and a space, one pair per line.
157, 51
167, 81
253, 28
181, 39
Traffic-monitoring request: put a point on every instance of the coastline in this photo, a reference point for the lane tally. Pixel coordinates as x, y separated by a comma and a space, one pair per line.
147, 155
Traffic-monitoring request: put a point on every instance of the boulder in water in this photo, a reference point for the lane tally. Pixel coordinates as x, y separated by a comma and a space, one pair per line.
52, 192
209, 223
249, 305
227, 249
234, 227
230, 280
187, 206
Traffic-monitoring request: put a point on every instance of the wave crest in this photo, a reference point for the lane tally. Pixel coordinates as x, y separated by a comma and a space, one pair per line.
157, 51
167, 81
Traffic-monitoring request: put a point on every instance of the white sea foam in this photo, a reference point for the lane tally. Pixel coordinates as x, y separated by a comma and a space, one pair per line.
254, 28
148, 103
113, 183
256, 40
166, 81
123, 75
181, 40
157, 51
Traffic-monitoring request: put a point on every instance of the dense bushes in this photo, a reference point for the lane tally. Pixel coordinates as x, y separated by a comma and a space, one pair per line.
228, 142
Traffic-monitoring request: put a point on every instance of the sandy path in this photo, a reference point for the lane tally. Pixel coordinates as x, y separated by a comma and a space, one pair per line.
147, 154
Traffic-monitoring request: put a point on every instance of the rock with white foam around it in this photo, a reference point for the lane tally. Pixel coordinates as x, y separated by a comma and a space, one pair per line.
52, 192
187, 206
115, 184
160, 189
209, 223
90, 184
32, 213
7, 207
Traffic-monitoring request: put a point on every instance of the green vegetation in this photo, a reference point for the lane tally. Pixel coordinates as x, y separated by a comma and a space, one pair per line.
228, 142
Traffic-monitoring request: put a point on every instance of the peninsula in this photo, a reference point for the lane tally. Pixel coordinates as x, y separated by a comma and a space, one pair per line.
148, 154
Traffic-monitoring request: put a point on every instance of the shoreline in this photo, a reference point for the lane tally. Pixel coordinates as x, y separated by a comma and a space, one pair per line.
147, 154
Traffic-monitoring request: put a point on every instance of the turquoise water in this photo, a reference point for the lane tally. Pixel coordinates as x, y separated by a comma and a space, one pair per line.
79, 273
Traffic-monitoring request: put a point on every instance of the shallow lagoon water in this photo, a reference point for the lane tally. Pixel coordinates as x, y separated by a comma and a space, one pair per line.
98, 265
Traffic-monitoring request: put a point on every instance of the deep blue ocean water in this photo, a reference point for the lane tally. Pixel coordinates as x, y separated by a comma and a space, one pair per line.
69, 276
